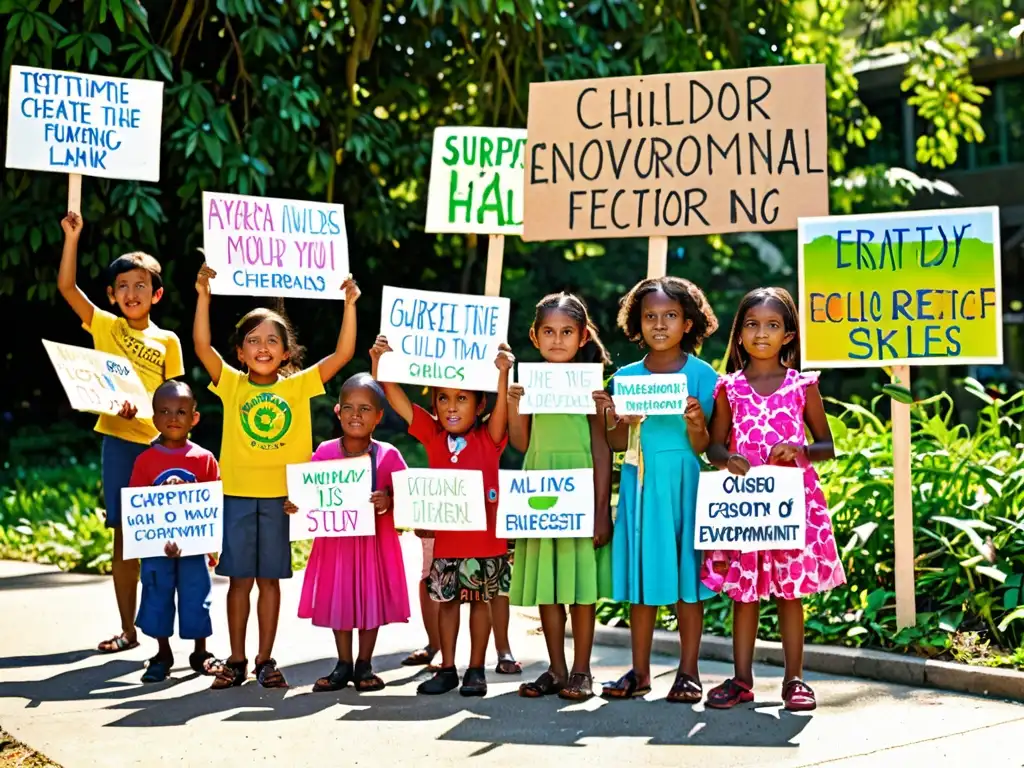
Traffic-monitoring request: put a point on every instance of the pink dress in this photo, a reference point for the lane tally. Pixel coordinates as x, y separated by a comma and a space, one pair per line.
758, 424
358, 582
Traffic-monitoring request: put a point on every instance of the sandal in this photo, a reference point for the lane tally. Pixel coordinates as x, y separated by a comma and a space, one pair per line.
200, 662
580, 687
474, 682
626, 687
158, 670
268, 675
227, 674
365, 680
507, 665
798, 696
729, 694
338, 679
545, 685
117, 643
685, 690
420, 658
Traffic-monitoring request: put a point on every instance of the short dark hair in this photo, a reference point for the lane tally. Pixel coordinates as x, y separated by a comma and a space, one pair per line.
364, 381
261, 315
780, 299
132, 261
691, 298
572, 305
174, 388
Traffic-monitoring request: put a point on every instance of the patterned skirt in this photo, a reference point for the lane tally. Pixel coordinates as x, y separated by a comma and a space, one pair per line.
469, 579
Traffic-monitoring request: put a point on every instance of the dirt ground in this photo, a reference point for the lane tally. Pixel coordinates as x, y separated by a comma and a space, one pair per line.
14, 754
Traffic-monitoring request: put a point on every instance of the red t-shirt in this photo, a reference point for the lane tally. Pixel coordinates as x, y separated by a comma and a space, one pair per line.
159, 465
480, 453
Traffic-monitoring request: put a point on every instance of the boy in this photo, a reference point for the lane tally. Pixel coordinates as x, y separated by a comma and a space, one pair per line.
135, 286
174, 460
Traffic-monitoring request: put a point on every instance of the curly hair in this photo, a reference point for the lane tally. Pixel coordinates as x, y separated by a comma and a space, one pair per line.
691, 298
780, 299
572, 305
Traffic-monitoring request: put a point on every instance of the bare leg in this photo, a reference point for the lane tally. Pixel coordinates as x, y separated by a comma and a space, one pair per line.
343, 642
691, 625
126, 587
479, 633
552, 620
428, 609
268, 610
791, 627
448, 619
367, 640
583, 618
200, 645
641, 632
238, 615
164, 649
500, 614
744, 636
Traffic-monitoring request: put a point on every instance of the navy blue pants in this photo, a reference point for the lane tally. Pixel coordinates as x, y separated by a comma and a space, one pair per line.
118, 461
162, 578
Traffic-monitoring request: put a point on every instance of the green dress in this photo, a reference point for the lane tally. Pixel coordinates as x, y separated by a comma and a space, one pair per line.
559, 571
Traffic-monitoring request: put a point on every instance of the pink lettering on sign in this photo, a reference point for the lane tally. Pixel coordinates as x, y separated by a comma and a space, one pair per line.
245, 215
250, 249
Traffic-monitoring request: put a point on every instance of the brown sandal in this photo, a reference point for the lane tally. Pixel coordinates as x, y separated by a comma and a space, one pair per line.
117, 643
227, 674
580, 687
685, 690
545, 685
268, 675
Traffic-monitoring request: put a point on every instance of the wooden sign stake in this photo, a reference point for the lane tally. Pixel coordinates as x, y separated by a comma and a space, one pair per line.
657, 257
495, 260
75, 193
903, 514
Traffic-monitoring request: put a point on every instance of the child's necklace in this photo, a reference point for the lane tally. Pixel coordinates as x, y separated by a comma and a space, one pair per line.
456, 445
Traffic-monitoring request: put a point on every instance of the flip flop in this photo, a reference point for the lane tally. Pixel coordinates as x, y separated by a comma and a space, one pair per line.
626, 687
507, 665
117, 643
420, 658
685, 690
580, 687
545, 685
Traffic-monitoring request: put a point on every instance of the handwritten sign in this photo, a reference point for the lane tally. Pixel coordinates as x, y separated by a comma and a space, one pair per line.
442, 339
921, 288
263, 246
96, 382
87, 124
546, 504
333, 498
693, 153
476, 181
191, 515
559, 387
764, 509
656, 395
440, 499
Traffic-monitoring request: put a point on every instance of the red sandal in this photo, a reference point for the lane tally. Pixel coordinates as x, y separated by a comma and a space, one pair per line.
798, 696
729, 694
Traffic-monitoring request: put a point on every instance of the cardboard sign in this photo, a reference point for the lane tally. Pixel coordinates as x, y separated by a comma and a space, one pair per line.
96, 382
692, 153
440, 499
657, 395
476, 181
333, 498
92, 125
764, 509
263, 246
546, 504
190, 514
921, 288
559, 387
442, 339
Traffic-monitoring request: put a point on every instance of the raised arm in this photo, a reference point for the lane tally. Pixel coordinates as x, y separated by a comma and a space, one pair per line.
395, 394
67, 277
498, 423
518, 423
602, 481
201, 338
346, 347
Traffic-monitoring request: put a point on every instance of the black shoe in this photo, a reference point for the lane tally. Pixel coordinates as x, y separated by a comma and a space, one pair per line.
474, 683
335, 681
444, 680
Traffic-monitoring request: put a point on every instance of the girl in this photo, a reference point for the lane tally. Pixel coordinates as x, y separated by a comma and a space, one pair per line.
552, 573
761, 407
468, 566
654, 562
266, 427
358, 582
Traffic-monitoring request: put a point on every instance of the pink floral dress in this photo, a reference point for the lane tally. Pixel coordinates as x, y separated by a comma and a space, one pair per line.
758, 424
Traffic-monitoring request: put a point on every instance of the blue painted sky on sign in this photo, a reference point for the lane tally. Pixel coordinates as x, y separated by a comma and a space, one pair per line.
980, 221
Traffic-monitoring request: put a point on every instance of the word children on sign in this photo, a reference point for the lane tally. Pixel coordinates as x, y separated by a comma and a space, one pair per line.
189, 515
263, 246
476, 181
333, 498
84, 124
546, 504
737, 150
659, 394
559, 387
440, 499
442, 339
919, 288
96, 382
764, 509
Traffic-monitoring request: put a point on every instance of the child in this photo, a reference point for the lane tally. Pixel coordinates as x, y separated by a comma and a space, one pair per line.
653, 559
468, 566
174, 460
155, 354
266, 427
424, 657
761, 407
552, 573
358, 582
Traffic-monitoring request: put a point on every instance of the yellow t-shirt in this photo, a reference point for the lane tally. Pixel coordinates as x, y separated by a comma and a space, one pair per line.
154, 353
266, 427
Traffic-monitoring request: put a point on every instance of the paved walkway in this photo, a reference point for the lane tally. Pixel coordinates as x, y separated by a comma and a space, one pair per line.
84, 709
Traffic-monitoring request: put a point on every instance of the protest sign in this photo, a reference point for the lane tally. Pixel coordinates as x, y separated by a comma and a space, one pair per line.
908, 288
263, 246
189, 514
74, 123
476, 181
546, 504
333, 498
559, 387
764, 509
690, 153
655, 395
442, 339
96, 382
440, 499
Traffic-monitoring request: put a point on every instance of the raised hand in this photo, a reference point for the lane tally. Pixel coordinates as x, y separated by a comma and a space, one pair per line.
351, 289
515, 394
380, 347
127, 411
72, 225
505, 359
203, 279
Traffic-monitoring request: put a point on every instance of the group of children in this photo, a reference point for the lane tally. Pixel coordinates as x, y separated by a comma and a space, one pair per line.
759, 413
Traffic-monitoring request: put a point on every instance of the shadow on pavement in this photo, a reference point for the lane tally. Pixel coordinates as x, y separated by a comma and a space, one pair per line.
47, 580
46, 659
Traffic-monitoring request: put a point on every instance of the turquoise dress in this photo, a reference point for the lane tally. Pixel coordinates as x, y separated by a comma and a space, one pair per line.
653, 559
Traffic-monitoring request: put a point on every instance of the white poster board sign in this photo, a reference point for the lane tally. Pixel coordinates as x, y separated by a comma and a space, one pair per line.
546, 504
333, 498
263, 246
96, 382
559, 387
656, 395
94, 125
476, 181
440, 499
442, 339
764, 509
190, 514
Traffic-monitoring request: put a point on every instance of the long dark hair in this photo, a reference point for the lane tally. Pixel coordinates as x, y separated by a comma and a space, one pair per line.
779, 299
262, 315
695, 306
593, 351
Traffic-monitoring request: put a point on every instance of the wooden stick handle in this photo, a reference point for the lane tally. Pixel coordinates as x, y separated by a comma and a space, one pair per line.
657, 257
75, 193
903, 506
495, 260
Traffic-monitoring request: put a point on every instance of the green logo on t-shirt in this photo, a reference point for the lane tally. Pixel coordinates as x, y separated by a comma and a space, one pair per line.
266, 418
